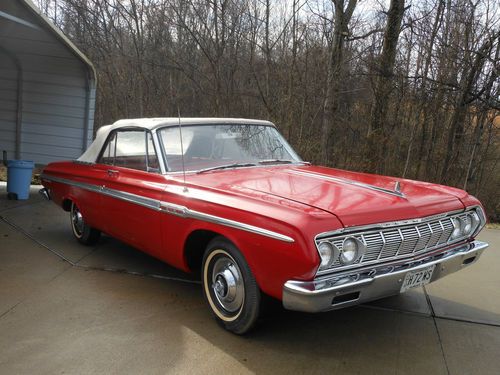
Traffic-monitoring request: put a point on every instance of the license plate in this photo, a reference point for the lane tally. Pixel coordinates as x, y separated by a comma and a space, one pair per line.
417, 278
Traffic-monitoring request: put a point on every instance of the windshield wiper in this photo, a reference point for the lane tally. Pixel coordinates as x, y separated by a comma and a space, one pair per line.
281, 161
226, 166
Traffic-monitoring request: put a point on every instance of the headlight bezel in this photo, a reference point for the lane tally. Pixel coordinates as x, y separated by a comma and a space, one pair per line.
334, 253
481, 217
477, 218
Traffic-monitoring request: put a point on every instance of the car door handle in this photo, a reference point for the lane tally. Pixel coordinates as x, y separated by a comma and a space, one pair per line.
113, 173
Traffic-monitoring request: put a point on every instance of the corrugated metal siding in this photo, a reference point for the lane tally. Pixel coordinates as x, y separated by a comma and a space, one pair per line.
8, 104
90, 124
54, 91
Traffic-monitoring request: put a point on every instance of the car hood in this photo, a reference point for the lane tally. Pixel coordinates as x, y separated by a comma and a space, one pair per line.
355, 198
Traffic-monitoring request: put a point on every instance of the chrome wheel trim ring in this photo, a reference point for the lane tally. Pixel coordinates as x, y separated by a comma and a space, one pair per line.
224, 287
77, 222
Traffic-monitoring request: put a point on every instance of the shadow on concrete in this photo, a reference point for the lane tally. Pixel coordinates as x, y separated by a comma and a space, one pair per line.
455, 310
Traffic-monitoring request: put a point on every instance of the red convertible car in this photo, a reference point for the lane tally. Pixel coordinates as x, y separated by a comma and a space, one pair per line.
231, 200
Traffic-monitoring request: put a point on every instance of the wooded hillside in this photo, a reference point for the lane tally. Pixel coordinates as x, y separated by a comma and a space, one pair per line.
404, 88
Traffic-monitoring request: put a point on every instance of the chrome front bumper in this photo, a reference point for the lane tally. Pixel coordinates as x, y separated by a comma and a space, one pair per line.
347, 289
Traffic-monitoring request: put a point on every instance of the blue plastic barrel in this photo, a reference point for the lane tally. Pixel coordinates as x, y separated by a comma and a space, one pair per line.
19, 177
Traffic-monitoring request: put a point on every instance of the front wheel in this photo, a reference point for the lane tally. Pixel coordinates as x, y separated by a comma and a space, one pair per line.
230, 287
83, 233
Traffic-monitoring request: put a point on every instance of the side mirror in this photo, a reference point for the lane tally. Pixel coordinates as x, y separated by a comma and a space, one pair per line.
4, 157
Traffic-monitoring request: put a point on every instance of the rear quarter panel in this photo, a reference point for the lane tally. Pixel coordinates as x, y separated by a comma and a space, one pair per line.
90, 201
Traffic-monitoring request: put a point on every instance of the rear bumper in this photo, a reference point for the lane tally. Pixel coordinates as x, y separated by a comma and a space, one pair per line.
342, 290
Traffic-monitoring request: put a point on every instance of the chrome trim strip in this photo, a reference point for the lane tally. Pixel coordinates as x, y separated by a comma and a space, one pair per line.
482, 218
159, 152
350, 182
128, 197
430, 237
386, 224
182, 211
132, 198
170, 208
402, 242
236, 224
384, 242
192, 171
82, 185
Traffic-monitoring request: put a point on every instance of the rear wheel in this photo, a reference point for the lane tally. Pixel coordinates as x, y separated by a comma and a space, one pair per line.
230, 287
83, 233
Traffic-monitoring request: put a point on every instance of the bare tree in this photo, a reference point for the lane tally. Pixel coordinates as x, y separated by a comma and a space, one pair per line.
410, 91
377, 136
342, 17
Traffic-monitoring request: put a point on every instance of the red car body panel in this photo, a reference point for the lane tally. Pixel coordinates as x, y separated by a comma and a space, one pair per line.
353, 205
296, 201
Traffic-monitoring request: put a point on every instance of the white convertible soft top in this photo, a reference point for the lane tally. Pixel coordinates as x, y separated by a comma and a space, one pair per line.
92, 153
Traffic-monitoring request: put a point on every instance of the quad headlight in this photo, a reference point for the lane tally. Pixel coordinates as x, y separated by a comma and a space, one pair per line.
472, 223
458, 226
352, 250
467, 225
348, 253
328, 253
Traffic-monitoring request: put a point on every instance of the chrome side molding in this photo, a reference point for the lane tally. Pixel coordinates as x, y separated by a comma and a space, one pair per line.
170, 208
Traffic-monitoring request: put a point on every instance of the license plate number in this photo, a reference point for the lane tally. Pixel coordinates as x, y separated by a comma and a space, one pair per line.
417, 278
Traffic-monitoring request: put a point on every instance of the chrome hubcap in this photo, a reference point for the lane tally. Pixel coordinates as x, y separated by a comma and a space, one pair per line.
77, 220
227, 284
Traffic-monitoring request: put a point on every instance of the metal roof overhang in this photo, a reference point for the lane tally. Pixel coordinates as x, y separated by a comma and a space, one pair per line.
42, 24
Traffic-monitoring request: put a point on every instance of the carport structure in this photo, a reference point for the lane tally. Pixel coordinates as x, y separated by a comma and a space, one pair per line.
47, 88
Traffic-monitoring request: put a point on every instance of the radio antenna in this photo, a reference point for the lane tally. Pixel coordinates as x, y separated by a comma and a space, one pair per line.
182, 151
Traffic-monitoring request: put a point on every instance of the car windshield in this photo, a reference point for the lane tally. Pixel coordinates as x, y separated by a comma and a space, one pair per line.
211, 147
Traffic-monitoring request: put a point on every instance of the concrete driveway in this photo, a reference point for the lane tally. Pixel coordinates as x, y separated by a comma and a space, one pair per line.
67, 308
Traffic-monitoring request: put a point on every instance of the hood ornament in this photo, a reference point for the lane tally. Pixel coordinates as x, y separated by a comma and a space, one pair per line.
397, 187
397, 192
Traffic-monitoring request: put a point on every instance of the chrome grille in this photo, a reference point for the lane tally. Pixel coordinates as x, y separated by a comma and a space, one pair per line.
397, 240
411, 238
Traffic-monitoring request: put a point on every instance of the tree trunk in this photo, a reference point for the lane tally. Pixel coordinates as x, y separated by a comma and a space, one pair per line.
423, 109
456, 128
383, 87
330, 102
